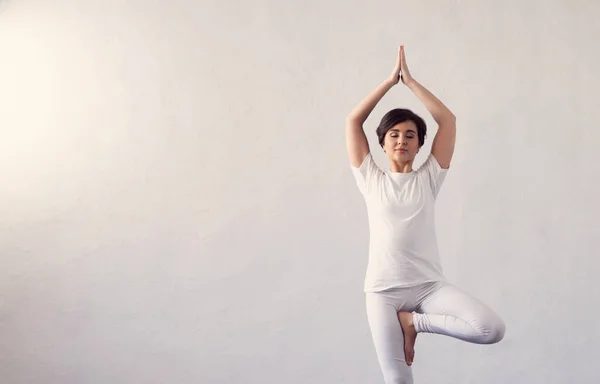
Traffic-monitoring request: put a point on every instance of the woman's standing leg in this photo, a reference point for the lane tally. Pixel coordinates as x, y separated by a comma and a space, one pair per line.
449, 311
382, 312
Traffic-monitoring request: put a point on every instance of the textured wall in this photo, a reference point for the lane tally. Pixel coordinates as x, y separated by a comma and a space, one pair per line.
176, 205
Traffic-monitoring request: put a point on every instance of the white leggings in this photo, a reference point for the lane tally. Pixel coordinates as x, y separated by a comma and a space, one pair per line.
437, 307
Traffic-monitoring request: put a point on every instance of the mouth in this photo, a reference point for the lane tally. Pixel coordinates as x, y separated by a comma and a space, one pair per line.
401, 150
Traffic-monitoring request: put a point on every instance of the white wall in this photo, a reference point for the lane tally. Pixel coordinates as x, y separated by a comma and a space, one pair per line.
176, 204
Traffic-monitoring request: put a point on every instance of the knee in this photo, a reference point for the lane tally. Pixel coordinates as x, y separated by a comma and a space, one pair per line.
493, 331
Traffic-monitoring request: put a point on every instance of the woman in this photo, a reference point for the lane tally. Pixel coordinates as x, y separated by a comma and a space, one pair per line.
406, 291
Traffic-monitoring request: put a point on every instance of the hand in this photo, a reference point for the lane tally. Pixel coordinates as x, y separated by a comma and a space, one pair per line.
404, 72
395, 77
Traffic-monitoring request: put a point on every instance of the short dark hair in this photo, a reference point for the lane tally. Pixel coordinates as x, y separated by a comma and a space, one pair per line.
397, 116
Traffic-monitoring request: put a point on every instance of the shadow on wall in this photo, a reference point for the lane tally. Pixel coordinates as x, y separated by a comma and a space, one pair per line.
290, 242
275, 282
285, 277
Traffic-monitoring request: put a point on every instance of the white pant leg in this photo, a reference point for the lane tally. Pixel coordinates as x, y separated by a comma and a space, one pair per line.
382, 313
450, 311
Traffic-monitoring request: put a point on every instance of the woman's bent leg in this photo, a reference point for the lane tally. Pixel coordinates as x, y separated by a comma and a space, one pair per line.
450, 311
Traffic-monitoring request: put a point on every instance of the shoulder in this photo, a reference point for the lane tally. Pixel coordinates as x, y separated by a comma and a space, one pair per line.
432, 173
431, 164
368, 174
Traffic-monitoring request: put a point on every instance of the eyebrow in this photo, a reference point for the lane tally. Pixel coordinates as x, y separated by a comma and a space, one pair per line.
408, 130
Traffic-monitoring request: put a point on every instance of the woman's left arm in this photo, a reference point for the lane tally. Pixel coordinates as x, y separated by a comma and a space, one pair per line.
443, 142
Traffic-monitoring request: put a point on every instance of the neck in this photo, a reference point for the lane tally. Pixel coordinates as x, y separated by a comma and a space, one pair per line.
401, 167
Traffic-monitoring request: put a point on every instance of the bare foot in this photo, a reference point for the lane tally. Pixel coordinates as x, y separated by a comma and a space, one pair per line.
410, 335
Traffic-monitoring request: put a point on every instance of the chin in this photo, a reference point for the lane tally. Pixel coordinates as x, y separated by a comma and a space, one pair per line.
403, 156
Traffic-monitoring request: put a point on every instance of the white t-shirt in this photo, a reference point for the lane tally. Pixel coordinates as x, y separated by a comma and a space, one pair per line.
403, 248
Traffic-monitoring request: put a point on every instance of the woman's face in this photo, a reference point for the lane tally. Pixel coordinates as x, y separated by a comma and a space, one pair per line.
401, 142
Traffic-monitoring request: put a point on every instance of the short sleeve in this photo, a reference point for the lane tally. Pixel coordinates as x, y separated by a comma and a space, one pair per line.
366, 174
434, 173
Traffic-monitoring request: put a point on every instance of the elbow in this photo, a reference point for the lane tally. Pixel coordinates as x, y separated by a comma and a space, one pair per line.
354, 119
449, 119
350, 120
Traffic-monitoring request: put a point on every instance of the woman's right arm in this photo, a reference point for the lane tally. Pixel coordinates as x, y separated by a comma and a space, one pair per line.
356, 140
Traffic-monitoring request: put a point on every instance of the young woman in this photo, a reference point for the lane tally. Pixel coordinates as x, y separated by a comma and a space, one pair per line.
406, 291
